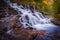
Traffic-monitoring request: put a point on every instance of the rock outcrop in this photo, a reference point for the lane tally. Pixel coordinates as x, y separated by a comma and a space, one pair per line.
55, 22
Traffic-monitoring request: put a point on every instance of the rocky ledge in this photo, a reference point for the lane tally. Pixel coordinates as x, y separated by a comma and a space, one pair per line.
55, 22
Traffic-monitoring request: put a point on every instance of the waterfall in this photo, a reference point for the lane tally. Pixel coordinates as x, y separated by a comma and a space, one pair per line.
29, 19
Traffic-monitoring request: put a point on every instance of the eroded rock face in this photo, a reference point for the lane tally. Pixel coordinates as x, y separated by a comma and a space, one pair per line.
6, 10
55, 22
8, 22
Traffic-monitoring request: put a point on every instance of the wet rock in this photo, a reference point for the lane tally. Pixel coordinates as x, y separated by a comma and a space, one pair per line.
29, 28
55, 22
38, 37
8, 21
12, 11
19, 34
6, 10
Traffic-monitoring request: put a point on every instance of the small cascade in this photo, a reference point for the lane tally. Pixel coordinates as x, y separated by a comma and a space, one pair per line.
29, 19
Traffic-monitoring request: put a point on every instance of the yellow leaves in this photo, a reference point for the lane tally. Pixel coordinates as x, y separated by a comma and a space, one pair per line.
43, 8
47, 2
33, 3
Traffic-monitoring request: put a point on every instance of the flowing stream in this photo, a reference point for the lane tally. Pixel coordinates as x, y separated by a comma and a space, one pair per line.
28, 19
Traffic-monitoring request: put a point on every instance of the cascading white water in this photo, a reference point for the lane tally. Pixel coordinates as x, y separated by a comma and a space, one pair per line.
29, 19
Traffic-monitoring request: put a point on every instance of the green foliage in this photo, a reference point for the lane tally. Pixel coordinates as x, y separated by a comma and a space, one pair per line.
38, 1
56, 7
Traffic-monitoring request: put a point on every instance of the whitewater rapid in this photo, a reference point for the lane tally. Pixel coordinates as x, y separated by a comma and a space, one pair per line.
28, 19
